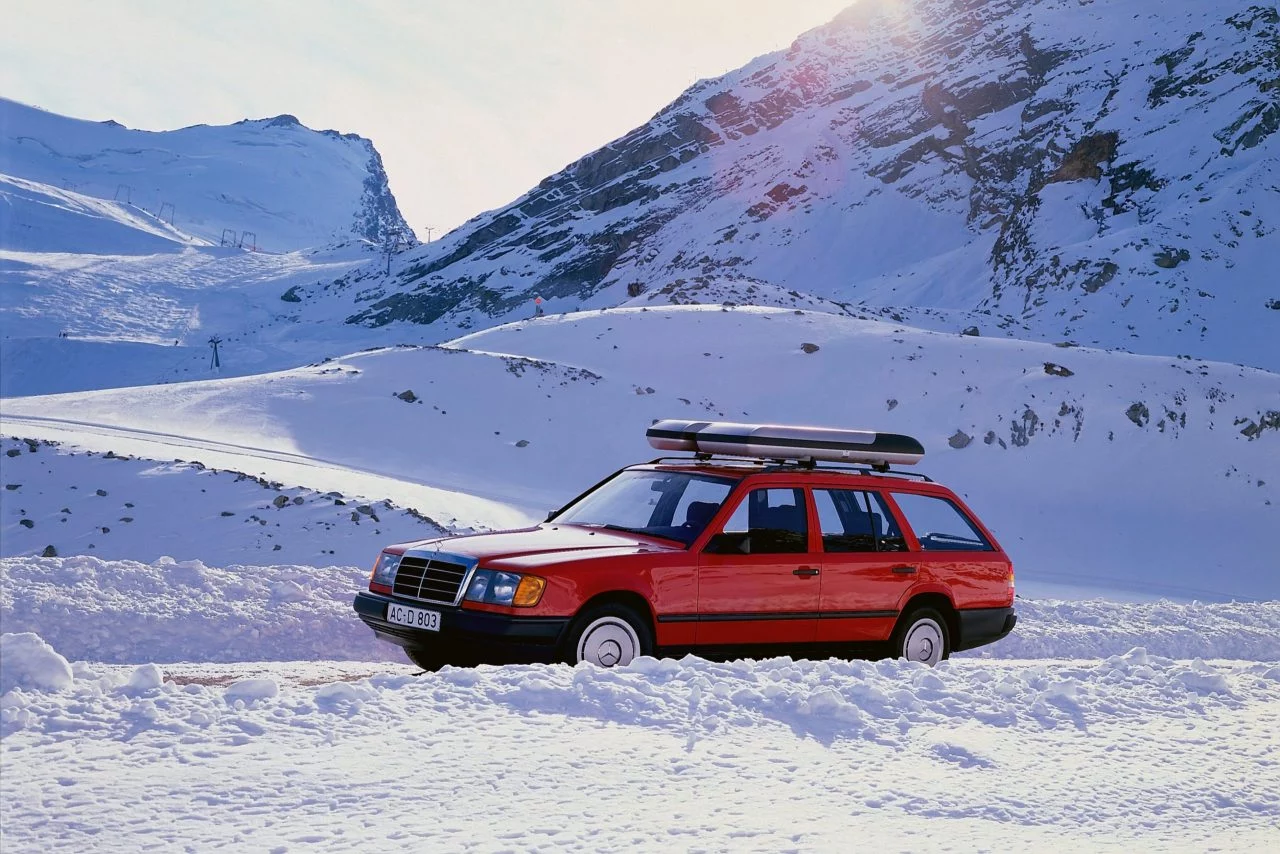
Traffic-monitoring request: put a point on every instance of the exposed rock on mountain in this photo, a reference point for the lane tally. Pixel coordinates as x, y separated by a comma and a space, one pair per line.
1098, 172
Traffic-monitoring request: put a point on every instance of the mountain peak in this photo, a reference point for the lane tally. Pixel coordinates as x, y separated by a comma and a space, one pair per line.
243, 180
1080, 171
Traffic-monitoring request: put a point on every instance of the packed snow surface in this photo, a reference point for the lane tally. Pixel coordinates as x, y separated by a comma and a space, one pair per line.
1133, 751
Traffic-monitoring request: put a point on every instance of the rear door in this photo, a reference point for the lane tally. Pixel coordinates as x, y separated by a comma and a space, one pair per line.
758, 581
865, 570
954, 550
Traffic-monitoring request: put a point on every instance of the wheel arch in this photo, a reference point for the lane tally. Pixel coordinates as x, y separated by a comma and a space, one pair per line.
940, 602
630, 598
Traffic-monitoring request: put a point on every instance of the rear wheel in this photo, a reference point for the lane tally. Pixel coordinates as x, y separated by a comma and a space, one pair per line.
922, 636
608, 636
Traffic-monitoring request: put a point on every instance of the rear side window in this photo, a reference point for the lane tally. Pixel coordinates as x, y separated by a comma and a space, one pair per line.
939, 525
854, 521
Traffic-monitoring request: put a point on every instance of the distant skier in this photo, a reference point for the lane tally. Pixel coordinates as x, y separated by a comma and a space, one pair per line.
537, 306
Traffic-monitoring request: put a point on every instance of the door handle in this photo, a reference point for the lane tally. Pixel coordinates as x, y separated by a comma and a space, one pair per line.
805, 571
904, 570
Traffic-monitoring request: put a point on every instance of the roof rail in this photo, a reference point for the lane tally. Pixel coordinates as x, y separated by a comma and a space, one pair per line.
792, 465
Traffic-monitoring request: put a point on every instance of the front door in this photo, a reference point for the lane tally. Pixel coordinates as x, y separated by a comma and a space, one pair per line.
865, 568
758, 582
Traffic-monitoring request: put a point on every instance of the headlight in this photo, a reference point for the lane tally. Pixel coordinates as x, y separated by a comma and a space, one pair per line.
384, 571
505, 588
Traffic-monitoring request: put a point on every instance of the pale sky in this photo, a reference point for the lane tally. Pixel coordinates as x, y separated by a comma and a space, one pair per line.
470, 102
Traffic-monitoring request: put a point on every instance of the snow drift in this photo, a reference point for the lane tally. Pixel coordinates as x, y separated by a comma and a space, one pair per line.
171, 611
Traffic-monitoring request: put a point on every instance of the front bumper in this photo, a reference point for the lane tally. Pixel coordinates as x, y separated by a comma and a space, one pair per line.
467, 635
981, 626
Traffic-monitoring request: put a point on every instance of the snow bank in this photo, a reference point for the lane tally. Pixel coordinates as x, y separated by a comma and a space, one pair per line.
881, 702
129, 612
27, 662
169, 611
1096, 628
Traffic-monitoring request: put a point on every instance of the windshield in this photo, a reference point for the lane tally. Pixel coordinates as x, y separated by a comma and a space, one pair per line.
672, 505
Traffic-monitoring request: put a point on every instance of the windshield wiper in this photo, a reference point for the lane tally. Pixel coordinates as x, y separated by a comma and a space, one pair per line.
641, 531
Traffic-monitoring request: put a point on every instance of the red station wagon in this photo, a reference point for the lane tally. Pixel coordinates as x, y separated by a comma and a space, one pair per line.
749, 547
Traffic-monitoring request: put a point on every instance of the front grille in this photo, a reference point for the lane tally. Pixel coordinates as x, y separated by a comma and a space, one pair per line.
429, 580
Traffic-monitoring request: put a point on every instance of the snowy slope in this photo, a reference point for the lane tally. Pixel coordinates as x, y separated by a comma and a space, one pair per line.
286, 185
1084, 462
115, 507
1097, 172
144, 319
41, 218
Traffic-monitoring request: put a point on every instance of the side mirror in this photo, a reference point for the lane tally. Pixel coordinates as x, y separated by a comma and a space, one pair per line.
551, 515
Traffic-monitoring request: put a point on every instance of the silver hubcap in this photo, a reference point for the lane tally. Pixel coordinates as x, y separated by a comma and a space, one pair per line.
923, 642
609, 642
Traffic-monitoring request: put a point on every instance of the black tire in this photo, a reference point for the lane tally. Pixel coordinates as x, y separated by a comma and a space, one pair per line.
610, 635
430, 660
922, 635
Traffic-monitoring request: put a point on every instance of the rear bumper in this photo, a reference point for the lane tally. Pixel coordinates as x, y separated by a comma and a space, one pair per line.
981, 626
467, 636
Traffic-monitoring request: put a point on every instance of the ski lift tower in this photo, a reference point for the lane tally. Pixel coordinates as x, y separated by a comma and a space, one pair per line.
391, 243
214, 363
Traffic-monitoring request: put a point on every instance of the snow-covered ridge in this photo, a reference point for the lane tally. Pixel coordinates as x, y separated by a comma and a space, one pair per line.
272, 184
1096, 172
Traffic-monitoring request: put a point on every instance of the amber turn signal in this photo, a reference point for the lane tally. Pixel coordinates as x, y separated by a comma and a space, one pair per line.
529, 593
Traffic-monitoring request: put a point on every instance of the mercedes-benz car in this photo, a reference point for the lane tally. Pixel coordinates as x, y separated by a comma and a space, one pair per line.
766, 540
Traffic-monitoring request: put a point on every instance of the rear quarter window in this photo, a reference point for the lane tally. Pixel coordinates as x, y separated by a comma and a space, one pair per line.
939, 524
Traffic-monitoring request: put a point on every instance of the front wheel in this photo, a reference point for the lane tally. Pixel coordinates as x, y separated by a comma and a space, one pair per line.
429, 660
609, 636
922, 636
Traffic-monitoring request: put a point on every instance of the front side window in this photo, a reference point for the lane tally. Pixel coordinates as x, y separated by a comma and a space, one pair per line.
672, 505
766, 521
854, 521
939, 525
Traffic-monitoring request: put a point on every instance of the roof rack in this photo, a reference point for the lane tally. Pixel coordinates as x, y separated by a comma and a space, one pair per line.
792, 465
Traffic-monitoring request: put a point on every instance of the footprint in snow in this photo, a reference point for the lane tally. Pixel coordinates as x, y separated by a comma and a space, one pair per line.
961, 756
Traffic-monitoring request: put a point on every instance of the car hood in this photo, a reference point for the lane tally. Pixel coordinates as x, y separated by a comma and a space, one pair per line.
545, 540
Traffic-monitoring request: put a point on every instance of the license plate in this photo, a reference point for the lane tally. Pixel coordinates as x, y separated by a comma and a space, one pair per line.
418, 618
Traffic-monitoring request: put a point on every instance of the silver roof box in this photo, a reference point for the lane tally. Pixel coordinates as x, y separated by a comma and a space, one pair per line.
784, 442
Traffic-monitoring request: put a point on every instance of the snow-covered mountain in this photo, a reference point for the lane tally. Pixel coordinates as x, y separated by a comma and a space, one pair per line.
1104, 173
123, 252
269, 184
